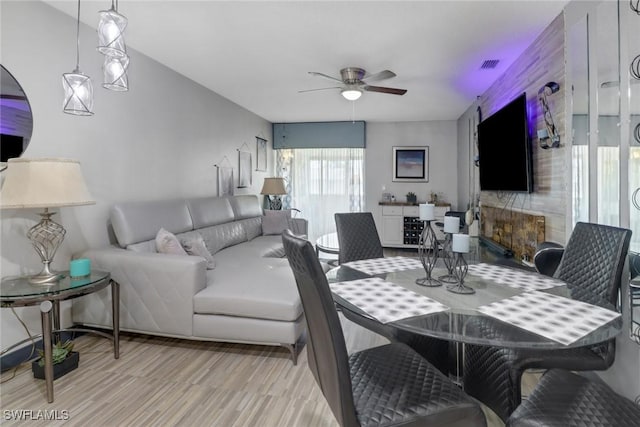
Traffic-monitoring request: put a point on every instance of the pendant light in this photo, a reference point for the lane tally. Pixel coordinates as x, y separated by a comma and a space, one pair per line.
78, 90
110, 32
115, 73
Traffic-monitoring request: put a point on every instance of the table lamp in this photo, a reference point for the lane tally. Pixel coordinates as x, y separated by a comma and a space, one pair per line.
44, 183
274, 187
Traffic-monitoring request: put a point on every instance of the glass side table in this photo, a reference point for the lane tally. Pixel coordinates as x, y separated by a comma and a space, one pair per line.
19, 292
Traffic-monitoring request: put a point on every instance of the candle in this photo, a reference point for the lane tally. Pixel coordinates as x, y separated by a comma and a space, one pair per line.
460, 243
427, 212
451, 224
80, 267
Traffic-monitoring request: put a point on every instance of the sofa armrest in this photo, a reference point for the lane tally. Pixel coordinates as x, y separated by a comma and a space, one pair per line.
547, 257
299, 226
156, 291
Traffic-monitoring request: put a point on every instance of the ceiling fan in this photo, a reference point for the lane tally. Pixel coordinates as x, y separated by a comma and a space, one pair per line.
354, 80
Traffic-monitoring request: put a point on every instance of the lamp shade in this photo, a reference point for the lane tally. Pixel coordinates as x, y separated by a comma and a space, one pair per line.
43, 183
273, 186
110, 37
78, 94
351, 94
115, 73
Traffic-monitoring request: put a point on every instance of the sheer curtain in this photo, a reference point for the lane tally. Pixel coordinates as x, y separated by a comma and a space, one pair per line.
321, 182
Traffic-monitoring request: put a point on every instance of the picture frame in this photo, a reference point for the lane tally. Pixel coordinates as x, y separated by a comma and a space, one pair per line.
261, 154
244, 169
411, 164
225, 181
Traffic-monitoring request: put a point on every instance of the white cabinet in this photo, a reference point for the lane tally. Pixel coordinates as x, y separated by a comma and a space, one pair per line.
401, 226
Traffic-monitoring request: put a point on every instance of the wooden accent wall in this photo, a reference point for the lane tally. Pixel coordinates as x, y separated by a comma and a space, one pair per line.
542, 62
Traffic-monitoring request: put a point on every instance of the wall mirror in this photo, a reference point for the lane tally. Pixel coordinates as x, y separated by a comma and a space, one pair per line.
16, 120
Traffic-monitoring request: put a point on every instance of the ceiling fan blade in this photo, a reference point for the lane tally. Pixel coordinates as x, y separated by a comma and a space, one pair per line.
322, 88
315, 73
390, 90
382, 75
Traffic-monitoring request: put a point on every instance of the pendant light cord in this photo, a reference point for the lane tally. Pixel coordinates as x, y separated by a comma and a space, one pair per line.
78, 39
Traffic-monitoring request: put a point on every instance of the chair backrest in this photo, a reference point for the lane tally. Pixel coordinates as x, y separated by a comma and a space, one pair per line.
326, 349
357, 237
593, 261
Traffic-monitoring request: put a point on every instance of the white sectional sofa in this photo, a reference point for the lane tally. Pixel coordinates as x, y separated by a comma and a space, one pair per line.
250, 296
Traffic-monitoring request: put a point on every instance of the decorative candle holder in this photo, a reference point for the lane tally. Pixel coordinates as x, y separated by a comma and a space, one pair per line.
449, 260
428, 253
460, 270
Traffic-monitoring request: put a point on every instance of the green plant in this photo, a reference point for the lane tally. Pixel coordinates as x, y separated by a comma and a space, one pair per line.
60, 352
411, 195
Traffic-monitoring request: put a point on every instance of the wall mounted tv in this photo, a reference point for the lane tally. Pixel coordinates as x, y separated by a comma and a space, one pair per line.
504, 149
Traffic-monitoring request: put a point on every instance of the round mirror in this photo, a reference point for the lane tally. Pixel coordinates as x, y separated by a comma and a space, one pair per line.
16, 121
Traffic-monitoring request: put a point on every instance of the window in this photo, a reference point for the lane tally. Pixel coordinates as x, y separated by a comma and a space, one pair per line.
321, 182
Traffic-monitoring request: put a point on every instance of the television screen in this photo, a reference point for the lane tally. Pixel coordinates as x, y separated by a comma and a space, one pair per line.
504, 150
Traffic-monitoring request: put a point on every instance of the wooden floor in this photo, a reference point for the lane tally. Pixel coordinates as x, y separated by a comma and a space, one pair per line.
161, 381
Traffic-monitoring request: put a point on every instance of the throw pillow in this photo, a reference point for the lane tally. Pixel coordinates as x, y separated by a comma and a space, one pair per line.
168, 243
275, 222
195, 246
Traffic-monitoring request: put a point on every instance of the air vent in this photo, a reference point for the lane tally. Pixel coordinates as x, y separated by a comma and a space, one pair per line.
489, 64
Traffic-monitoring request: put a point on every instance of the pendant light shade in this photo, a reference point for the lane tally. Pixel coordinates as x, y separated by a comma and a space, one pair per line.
78, 93
115, 73
78, 90
110, 33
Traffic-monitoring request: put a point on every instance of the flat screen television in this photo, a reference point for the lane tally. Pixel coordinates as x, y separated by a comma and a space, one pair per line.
504, 149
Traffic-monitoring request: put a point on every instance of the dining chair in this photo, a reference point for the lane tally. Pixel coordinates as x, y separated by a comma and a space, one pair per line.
390, 385
562, 398
358, 239
591, 265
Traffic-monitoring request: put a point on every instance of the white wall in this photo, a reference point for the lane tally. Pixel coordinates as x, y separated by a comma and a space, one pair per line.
439, 136
159, 140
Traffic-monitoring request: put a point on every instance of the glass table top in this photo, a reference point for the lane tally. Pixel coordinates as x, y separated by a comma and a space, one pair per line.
462, 322
19, 288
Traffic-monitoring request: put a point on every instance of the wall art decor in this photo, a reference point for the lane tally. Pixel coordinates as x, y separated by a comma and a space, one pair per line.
225, 181
244, 169
261, 154
411, 164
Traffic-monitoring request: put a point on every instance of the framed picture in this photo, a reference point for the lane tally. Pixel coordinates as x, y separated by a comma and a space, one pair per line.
411, 164
244, 169
261, 154
225, 181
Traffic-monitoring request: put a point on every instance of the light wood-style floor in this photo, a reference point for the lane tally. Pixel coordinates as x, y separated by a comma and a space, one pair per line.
162, 381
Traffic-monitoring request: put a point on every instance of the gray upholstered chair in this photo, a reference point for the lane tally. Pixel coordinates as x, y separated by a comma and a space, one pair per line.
562, 398
358, 239
547, 257
390, 385
591, 265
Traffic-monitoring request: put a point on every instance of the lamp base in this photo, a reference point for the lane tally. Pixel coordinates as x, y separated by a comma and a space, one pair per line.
46, 236
275, 203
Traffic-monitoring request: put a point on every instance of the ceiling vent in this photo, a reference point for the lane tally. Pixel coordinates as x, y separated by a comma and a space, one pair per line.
489, 64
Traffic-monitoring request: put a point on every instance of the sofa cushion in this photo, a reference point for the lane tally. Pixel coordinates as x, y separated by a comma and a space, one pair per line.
208, 211
135, 222
252, 226
222, 236
275, 222
195, 246
168, 243
262, 288
245, 206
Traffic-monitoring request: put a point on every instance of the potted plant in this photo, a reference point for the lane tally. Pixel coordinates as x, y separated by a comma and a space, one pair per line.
64, 360
411, 197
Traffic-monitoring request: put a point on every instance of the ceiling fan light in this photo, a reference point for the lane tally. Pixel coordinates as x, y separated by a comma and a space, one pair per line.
351, 94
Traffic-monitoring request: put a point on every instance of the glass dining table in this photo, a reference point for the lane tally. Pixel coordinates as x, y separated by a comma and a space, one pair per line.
462, 321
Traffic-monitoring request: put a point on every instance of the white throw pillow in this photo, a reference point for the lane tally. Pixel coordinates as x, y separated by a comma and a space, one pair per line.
275, 222
168, 243
195, 245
